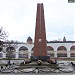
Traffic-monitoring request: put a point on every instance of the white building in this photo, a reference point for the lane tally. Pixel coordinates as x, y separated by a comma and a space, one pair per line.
25, 50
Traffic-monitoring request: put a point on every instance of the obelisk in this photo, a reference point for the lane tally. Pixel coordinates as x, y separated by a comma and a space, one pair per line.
40, 47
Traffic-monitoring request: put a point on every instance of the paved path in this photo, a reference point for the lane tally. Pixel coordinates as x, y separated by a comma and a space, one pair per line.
42, 74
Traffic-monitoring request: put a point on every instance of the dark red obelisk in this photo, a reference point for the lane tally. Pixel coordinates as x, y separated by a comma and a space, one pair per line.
40, 49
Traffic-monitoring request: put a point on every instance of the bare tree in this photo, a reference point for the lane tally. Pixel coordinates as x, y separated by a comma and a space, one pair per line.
3, 34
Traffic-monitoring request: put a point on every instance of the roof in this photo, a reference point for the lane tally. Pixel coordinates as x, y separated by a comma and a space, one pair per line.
60, 41
29, 39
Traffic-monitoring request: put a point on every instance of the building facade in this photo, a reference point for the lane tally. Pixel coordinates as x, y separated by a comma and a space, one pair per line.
25, 50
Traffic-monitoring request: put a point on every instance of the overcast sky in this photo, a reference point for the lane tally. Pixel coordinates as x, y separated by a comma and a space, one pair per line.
18, 18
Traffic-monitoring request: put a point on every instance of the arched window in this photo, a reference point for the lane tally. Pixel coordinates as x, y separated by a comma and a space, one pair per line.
61, 51
23, 52
50, 51
72, 51
10, 52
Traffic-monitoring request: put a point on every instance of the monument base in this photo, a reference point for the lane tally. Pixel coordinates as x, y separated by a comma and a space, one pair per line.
36, 58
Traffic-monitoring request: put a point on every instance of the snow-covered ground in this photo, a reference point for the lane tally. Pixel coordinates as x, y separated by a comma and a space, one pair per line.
65, 66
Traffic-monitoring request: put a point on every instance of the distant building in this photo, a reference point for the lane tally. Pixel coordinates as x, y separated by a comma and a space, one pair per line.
29, 40
64, 39
54, 49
